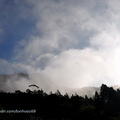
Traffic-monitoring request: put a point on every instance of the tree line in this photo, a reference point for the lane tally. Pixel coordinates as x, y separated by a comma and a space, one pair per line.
104, 105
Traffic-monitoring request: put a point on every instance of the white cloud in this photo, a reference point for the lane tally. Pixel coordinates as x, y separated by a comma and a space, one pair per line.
61, 24
51, 52
79, 68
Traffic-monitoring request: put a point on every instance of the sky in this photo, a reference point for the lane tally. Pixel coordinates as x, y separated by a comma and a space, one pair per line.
60, 43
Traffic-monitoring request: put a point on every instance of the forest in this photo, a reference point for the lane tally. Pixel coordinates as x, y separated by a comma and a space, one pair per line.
38, 105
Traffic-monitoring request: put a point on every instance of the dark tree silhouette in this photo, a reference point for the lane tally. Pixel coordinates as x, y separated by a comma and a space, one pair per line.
104, 105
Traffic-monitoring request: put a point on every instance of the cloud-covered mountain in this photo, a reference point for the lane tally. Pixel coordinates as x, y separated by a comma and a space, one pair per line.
12, 82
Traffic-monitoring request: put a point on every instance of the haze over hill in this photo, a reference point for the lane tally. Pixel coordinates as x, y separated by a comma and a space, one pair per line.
21, 81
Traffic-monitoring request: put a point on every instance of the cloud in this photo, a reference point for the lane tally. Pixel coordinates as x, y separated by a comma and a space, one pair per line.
60, 26
79, 68
74, 44
11, 68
